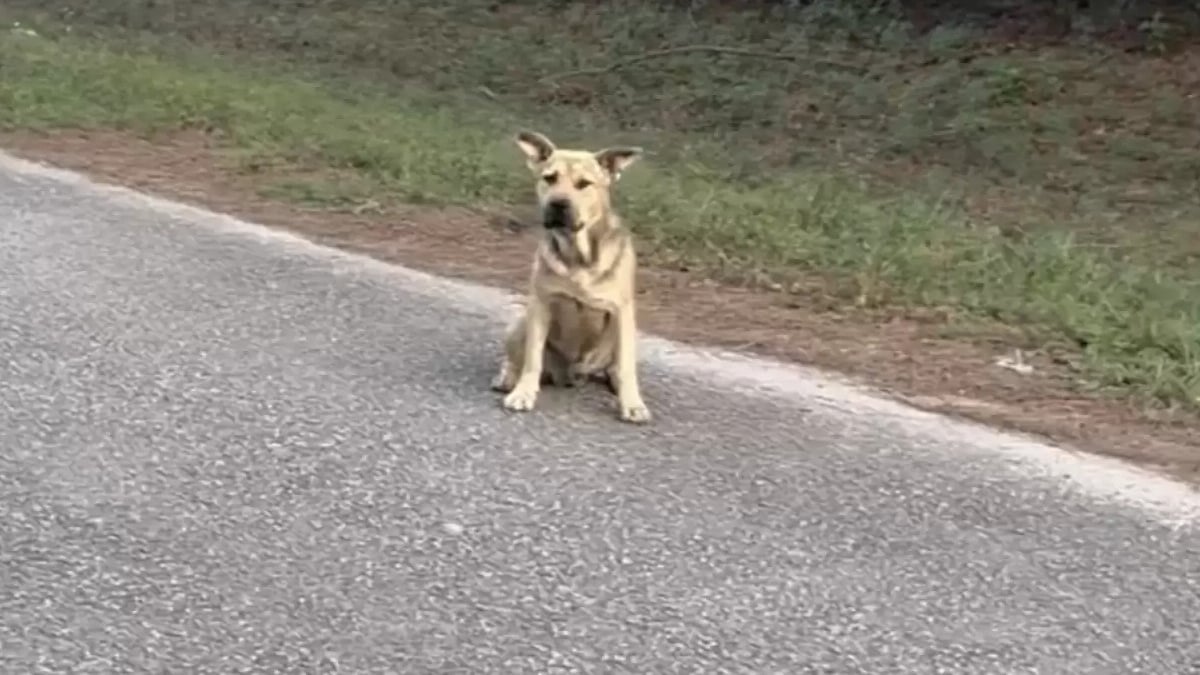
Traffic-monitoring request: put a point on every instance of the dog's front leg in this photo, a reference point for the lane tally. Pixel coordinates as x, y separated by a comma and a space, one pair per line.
629, 396
537, 325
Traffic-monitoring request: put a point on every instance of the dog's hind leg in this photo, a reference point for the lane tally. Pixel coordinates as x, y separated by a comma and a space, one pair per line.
593, 369
554, 366
596, 363
605, 378
555, 370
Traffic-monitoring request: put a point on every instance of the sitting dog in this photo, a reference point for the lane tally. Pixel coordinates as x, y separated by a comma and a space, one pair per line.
579, 320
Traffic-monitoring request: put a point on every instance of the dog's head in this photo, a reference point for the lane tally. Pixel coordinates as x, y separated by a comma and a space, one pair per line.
573, 186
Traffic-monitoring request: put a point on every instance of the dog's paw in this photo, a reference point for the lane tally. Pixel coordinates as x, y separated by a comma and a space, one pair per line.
557, 377
521, 399
635, 412
502, 382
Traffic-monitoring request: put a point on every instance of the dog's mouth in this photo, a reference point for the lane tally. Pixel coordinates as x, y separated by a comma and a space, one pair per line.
561, 226
551, 223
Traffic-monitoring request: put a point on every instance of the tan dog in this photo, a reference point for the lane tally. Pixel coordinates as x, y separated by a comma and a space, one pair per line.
579, 321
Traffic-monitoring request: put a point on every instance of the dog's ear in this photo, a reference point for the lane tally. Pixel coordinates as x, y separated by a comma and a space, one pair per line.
616, 160
537, 148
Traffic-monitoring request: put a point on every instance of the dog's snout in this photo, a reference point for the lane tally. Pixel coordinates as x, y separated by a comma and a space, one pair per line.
558, 213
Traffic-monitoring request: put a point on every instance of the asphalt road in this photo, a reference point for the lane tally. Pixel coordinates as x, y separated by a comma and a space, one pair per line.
224, 451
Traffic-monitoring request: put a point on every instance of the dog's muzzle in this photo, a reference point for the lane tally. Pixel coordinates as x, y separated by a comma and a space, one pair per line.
558, 215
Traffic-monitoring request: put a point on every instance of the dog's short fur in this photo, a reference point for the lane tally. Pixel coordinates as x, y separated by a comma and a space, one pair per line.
579, 322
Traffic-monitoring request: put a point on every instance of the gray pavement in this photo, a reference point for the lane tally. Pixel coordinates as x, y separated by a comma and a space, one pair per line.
221, 452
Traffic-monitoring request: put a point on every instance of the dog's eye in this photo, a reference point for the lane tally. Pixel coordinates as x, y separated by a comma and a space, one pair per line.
550, 178
582, 183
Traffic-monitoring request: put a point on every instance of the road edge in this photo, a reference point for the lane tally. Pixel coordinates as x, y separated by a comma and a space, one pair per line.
1173, 502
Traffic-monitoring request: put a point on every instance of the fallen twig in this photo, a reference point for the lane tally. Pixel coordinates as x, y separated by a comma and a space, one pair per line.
708, 49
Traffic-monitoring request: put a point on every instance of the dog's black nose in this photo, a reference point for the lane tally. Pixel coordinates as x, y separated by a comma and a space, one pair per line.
557, 214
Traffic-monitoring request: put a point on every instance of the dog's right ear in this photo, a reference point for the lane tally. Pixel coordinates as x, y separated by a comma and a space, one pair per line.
537, 148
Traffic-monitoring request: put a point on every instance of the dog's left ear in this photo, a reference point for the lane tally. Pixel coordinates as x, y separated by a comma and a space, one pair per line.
616, 160
537, 147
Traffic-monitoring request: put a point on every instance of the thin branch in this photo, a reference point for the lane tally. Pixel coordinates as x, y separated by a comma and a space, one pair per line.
706, 49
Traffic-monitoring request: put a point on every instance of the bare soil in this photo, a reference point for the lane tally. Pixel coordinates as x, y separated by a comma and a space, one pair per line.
910, 357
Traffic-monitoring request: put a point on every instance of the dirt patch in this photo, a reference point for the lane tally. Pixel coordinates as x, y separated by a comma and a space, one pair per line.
910, 357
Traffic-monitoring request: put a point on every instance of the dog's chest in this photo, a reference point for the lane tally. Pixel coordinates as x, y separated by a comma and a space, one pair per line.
577, 286
585, 293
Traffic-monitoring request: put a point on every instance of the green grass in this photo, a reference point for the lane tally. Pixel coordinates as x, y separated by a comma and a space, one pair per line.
861, 175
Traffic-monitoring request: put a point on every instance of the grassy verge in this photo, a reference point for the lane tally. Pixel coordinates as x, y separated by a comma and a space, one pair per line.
858, 163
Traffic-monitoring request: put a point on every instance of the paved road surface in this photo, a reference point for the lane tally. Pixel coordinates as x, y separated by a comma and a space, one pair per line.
227, 452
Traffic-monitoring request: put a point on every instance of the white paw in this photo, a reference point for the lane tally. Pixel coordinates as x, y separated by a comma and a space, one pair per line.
521, 399
635, 412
